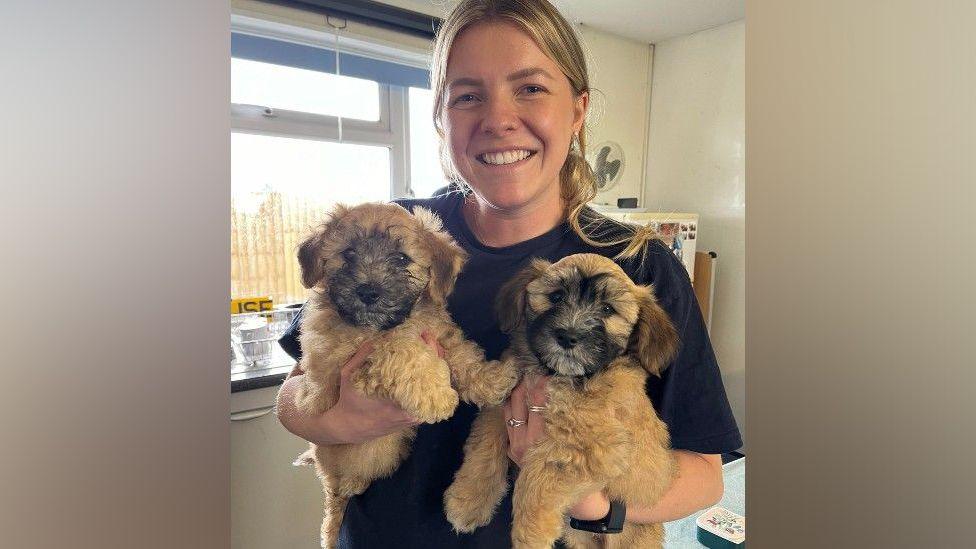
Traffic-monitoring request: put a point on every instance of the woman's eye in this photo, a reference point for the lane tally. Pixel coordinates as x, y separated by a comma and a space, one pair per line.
532, 90
465, 98
608, 310
349, 255
557, 296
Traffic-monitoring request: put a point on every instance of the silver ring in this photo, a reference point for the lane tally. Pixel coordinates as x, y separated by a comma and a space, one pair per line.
516, 422
537, 409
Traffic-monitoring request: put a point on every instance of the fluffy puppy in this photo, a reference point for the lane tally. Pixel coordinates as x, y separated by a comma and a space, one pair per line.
380, 274
582, 321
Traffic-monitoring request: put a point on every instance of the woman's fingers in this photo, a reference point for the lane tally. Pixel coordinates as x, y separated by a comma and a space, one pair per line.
357, 360
515, 408
530, 392
430, 340
536, 398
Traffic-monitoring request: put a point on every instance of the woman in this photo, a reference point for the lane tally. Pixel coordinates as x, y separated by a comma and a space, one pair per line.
511, 95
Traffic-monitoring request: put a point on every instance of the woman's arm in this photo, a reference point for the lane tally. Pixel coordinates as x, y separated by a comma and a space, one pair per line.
699, 485
354, 418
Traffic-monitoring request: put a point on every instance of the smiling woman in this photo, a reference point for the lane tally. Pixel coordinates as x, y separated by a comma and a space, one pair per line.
511, 92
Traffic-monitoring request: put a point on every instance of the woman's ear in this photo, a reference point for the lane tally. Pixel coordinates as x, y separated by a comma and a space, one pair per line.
580, 107
654, 340
447, 258
308, 251
510, 304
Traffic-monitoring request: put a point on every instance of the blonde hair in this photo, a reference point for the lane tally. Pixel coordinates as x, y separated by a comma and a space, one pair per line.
558, 41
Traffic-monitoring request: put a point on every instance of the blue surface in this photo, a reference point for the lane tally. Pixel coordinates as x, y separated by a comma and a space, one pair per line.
301, 56
682, 534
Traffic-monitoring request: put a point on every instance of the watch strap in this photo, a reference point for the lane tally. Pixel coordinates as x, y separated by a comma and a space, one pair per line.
612, 523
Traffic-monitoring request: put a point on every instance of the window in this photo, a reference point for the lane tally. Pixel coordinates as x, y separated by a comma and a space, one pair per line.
425, 168
310, 129
277, 194
303, 90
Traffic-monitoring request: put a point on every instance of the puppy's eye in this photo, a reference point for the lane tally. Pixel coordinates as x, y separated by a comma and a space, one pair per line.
402, 260
608, 310
349, 255
557, 296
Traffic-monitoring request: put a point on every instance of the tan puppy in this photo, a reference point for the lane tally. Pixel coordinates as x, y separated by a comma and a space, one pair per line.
382, 275
585, 323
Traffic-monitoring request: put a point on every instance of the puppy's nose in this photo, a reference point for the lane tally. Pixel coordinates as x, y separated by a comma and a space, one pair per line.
368, 293
567, 338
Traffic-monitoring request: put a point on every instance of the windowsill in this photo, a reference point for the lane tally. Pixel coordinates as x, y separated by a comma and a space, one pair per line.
274, 373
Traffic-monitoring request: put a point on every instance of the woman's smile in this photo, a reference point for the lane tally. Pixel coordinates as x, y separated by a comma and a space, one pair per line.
505, 158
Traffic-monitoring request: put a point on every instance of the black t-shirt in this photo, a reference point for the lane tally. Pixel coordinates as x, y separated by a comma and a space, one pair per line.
405, 510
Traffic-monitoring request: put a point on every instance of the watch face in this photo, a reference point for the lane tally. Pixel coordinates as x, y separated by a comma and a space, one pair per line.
616, 516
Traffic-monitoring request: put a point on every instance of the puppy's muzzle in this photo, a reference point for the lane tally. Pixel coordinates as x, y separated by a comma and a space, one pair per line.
368, 293
567, 339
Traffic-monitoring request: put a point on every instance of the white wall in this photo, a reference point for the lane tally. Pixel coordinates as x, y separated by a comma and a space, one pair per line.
696, 163
620, 75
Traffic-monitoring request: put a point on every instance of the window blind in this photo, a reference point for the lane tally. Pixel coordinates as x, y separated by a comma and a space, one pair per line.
279, 52
371, 12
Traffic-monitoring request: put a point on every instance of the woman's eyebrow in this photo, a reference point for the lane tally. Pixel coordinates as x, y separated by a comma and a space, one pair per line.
531, 71
517, 75
465, 81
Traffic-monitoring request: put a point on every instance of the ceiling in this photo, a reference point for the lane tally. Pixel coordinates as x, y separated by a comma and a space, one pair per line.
649, 21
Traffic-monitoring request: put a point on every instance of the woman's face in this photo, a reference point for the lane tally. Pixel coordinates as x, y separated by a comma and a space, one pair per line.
509, 116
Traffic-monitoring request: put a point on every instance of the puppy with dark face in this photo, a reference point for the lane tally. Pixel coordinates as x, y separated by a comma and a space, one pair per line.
582, 321
379, 274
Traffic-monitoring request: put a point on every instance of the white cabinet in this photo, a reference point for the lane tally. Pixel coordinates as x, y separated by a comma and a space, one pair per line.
273, 503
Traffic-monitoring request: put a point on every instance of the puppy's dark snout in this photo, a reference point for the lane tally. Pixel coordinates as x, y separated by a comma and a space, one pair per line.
567, 338
368, 293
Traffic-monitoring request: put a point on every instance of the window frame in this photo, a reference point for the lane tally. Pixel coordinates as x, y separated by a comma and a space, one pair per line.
391, 131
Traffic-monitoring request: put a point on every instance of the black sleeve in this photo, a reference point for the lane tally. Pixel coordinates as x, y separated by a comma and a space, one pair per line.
289, 340
689, 396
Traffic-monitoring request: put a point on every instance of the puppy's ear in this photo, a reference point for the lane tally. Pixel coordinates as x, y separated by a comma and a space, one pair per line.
308, 251
654, 340
510, 303
308, 259
447, 257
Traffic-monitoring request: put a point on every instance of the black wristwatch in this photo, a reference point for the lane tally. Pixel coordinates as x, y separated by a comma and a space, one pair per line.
613, 523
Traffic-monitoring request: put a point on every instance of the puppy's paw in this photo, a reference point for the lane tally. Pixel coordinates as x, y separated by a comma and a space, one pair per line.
432, 405
465, 510
501, 384
492, 388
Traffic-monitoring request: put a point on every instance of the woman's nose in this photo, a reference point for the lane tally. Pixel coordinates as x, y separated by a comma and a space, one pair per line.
500, 118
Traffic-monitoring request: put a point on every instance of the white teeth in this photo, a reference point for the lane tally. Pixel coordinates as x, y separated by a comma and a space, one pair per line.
506, 157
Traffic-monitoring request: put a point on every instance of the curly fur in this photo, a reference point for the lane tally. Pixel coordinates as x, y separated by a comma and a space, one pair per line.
408, 265
601, 432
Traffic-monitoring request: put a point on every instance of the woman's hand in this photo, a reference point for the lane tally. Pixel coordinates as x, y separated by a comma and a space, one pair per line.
530, 391
358, 417
355, 417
